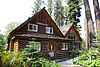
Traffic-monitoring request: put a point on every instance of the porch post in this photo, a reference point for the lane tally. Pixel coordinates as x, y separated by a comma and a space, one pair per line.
48, 44
54, 49
11, 43
18, 45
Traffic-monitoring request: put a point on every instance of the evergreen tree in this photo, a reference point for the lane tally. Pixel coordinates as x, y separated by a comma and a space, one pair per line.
11, 26
73, 12
1, 43
89, 24
58, 12
37, 6
31, 55
97, 14
97, 40
50, 7
65, 14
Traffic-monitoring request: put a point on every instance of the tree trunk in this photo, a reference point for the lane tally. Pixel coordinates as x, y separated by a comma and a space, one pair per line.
87, 44
89, 22
97, 15
0, 62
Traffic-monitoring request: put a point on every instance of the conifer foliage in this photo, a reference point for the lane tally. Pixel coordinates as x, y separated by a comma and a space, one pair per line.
50, 7
73, 12
31, 55
58, 12
1, 43
97, 40
37, 4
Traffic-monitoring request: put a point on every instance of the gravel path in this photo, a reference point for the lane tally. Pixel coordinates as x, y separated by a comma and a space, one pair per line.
68, 63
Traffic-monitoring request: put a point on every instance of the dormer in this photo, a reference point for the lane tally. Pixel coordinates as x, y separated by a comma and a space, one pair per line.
71, 35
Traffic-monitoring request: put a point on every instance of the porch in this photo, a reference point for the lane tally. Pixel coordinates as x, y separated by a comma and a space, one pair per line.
50, 48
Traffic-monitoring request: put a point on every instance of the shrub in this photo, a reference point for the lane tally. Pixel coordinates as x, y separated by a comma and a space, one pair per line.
10, 59
86, 61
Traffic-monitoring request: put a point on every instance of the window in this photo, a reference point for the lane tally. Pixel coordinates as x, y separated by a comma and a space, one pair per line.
76, 45
36, 45
64, 46
59, 46
51, 46
71, 35
49, 30
33, 27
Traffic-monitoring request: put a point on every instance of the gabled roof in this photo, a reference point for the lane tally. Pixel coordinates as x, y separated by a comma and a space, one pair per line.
66, 29
28, 20
62, 31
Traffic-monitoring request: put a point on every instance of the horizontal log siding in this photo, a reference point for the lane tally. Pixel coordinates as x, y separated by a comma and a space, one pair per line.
44, 49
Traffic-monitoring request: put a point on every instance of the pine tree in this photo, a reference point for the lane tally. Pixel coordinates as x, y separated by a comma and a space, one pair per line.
58, 12
11, 26
73, 12
37, 6
89, 23
97, 15
1, 43
65, 14
31, 55
97, 40
50, 7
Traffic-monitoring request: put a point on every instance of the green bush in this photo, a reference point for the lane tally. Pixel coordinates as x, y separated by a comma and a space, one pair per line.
10, 59
27, 58
86, 61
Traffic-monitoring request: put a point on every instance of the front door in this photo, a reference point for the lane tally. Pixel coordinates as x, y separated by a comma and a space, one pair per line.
52, 50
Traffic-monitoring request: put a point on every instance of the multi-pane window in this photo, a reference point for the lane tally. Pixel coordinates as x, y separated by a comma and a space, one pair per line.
64, 46
49, 30
33, 27
76, 45
36, 45
71, 35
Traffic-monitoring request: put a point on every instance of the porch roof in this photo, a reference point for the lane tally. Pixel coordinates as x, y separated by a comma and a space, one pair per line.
35, 35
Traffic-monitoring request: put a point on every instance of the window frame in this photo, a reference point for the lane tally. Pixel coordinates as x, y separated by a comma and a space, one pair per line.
39, 45
49, 30
71, 35
63, 48
51, 45
32, 27
76, 45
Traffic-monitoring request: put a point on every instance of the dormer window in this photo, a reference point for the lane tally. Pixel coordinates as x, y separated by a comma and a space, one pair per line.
33, 27
71, 35
49, 30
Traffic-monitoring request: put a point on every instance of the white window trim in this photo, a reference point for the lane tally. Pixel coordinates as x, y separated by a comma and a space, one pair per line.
49, 30
64, 46
38, 44
32, 25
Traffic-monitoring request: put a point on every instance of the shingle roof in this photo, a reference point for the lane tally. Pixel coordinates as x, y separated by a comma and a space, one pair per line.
65, 29
37, 35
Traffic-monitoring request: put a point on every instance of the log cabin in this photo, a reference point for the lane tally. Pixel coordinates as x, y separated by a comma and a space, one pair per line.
53, 41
